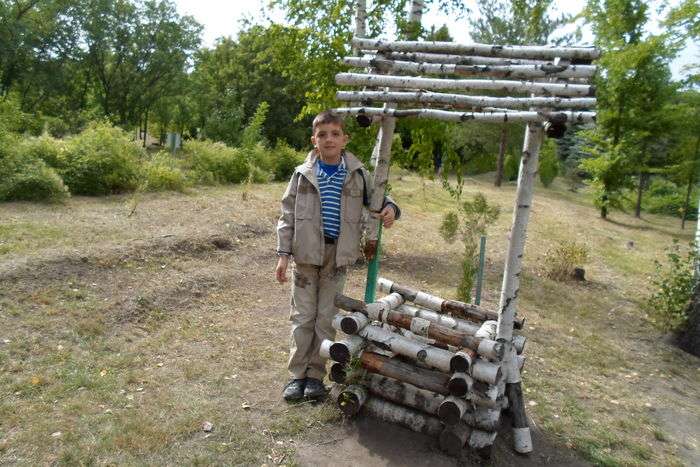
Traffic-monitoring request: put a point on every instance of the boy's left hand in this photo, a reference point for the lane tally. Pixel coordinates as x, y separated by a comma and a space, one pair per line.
387, 215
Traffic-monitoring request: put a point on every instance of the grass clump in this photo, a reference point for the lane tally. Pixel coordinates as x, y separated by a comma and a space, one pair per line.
162, 173
101, 160
285, 161
563, 258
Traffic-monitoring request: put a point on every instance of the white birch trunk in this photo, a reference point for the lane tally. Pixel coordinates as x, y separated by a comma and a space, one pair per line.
324, 350
411, 419
432, 356
415, 15
342, 351
404, 393
488, 50
455, 59
460, 384
352, 323
519, 342
464, 101
440, 304
360, 19
462, 117
410, 82
452, 410
380, 176
351, 399
491, 71
431, 380
483, 418
449, 322
518, 233
487, 330
481, 442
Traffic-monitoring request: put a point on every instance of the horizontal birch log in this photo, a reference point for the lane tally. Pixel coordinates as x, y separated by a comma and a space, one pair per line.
455, 59
519, 342
324, 350
483, 418
425, 379
460, 384
494, 71
463, 101
432, 356
404, 393
343, 350
411, 419
372, 310
439, 84
351, 399
338, 373
461, 117
434, 303
440, 334
540, 52
352, 323
481, 443
452, 410
447, 321
454, 437
487, 330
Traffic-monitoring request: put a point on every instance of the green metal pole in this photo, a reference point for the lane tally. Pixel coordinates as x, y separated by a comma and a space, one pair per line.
480, 275
373, 270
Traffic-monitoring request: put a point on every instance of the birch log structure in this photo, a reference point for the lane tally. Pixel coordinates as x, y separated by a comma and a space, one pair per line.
428, 361
454, 307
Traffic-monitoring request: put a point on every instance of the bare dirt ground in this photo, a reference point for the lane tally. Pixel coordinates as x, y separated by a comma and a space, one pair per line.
121, 335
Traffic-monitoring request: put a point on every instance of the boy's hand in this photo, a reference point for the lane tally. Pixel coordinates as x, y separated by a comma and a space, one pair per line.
281, 270
387, 215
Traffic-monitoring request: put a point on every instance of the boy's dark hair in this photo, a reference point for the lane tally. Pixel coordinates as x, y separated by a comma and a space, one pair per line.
327, 117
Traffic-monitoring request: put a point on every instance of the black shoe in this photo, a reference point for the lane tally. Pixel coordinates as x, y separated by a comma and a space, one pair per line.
314, 389
294, 390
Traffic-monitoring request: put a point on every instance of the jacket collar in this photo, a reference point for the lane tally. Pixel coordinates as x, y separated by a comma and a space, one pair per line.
307, 169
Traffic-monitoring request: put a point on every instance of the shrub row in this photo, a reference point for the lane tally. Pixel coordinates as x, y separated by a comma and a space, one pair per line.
103, 160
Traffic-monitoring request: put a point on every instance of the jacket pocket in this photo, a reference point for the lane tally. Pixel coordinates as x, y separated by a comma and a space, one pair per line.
307, 204
352, 206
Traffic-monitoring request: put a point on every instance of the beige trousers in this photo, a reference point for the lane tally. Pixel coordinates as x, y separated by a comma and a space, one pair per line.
313, 293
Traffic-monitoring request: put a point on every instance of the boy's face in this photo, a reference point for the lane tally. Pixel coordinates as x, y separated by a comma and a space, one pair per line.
329, 139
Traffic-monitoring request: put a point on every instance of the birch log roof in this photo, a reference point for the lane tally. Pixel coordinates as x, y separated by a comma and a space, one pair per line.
451, 81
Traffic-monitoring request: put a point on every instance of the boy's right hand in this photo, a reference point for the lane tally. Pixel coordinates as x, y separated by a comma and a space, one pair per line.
281, 270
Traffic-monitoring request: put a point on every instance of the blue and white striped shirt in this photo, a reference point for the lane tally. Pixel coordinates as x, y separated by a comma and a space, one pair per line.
331, 188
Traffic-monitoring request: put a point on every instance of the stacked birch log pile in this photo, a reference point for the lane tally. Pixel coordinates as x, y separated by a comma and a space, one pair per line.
429, 364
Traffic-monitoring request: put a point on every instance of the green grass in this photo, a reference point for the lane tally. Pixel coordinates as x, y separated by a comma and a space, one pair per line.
128, 352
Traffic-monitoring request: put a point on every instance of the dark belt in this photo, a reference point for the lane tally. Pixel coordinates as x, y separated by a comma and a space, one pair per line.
329, 240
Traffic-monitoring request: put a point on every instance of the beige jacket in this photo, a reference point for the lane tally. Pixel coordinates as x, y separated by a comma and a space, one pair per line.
299, 229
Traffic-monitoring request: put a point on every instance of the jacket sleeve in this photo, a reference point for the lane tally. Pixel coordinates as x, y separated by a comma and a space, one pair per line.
285, 224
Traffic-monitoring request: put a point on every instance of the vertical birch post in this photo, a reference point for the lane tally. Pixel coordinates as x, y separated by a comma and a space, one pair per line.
511, 283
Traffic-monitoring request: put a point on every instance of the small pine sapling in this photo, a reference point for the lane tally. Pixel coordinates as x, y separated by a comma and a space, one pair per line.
468, 223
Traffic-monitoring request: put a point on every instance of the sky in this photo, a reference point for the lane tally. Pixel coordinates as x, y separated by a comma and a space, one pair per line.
223, 18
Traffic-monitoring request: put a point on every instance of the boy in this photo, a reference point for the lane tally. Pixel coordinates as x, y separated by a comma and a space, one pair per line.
321, 227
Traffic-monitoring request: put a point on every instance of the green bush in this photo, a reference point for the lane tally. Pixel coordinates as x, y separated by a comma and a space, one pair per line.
665, 197
672, 288
101, 160
511, 166
549, 163
44, 147
261, 162
215, 162
162, 173
285, 161
24, 178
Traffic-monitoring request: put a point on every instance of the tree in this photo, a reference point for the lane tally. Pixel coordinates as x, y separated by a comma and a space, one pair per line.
134, 52
264, 64
515, 22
